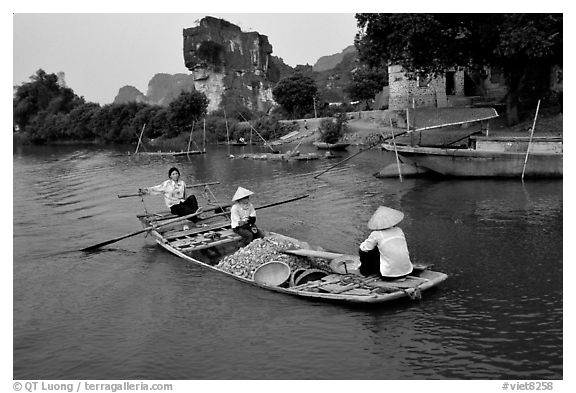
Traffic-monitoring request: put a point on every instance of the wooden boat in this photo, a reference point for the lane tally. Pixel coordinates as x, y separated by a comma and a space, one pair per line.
209, 245
331, 146
487, 157
170, 153
281, 156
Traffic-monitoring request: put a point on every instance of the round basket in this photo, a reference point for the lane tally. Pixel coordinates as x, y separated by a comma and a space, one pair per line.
310, 275
295, 274
346, 264
272, 273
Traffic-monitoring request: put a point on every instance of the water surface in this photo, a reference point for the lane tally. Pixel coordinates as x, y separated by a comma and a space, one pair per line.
134, 311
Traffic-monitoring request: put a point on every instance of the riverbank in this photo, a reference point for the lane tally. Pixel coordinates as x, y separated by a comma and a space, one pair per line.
362, 131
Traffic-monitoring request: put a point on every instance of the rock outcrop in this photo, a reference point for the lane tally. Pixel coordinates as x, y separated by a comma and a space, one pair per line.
237, 69
231, 67
128, 94
162, 89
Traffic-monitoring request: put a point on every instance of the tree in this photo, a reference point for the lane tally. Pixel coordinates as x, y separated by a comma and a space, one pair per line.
366, 83
42, 93
187, 108
296, 94
518, 44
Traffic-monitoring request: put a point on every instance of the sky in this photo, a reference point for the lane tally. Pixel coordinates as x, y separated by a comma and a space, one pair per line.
101, 52
106, 45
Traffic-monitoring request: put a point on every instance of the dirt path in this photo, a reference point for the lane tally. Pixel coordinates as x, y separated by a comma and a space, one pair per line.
364, 131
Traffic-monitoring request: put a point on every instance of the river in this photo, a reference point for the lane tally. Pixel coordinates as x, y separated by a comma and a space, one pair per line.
134, 311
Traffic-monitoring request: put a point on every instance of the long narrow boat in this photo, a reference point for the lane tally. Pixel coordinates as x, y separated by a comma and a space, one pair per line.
488, 157
170, 153
309, 273
331, 146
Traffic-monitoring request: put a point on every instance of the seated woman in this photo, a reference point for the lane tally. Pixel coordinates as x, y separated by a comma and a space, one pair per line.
174, 191
243, 216
385, 251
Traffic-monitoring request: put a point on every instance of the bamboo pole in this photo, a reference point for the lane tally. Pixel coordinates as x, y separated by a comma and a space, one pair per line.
530, 141
190, 140
396, 152
204, 138
140, 138
227, 132
257, 133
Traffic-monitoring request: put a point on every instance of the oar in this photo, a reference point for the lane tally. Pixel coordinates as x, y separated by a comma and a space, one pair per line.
187, 186
116, 239
260, 207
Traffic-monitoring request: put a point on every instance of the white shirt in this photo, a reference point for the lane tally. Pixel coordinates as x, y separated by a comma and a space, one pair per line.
241, 212
394, 256
174, 192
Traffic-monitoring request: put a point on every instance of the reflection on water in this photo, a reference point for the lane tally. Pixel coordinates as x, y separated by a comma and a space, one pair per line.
134, 311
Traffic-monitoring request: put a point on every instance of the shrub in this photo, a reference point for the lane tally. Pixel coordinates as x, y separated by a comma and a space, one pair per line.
331, 130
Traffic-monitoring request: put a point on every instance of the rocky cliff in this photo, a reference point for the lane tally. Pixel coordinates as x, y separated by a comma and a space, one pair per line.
235, 68
231, 67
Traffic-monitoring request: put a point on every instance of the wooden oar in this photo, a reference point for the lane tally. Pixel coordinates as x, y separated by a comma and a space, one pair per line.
312, 253
187, 186
116, 239
260, 207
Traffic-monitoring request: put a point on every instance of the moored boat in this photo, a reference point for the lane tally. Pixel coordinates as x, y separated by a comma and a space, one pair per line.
488, 157
287, 266
170, 153
331, 146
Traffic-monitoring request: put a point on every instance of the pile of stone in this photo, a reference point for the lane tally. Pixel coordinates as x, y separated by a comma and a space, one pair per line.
246, 260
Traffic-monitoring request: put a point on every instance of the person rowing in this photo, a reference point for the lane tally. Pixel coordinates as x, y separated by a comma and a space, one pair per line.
174, 192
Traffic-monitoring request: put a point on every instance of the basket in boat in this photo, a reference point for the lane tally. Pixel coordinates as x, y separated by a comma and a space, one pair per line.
272, 273
346, 264
310, 275
295, 274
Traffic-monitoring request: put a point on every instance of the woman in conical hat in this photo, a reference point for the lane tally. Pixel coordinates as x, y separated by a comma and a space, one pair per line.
385, 251
243, 216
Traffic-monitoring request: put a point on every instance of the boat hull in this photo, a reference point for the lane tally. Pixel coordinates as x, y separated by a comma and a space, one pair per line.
333, 287
477, 163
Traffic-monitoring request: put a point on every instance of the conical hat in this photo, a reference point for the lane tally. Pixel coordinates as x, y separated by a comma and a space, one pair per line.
241, 193
384, 218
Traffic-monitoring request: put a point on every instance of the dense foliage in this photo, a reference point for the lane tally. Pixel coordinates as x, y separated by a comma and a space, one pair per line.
519, 44
296, 94
44, 111
331, 130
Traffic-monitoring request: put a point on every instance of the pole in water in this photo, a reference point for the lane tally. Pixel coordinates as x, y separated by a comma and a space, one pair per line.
530, 141
396, 151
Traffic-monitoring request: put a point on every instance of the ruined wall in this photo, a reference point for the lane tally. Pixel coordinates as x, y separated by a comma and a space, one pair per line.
422, 92
230, 65
404, 92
